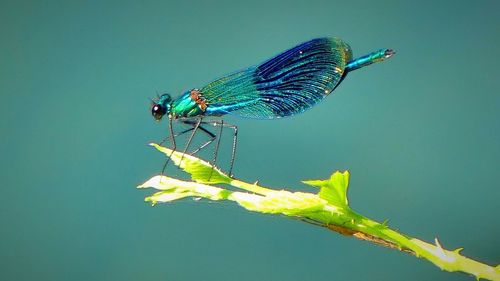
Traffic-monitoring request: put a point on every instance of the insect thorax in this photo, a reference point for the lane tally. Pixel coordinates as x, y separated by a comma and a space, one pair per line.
189, 104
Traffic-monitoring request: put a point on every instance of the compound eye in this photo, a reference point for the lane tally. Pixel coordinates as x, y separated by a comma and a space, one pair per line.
157, 111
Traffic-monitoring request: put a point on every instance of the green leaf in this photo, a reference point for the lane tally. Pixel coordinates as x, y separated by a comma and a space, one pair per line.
166, 196
328, 208
200, 171
281, 202
334, 189
174, 189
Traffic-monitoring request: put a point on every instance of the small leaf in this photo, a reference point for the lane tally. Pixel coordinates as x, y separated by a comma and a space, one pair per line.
334, 189
174, 189
201, 171
161, 183
280, 202
166, 196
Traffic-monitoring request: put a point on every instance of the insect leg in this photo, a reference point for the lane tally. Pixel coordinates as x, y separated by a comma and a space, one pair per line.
221, 123
235, 141
208, 133
192, 123
233, 151
176, 135
174, 145
195, 128
216, 150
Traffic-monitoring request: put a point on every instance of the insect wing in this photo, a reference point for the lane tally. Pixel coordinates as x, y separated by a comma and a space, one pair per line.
284, 85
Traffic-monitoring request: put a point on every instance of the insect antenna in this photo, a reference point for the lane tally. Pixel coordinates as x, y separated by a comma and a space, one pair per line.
152, 101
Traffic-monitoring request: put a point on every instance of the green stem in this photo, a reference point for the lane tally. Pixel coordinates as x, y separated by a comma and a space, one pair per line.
328, 208
254, 188
353, 224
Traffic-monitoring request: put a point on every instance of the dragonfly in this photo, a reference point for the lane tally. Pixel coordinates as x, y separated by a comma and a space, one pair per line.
285, 85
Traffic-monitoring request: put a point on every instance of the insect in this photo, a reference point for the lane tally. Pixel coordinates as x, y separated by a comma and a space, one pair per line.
285, 85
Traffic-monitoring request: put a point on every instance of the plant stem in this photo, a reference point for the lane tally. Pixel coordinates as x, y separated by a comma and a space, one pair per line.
328, 208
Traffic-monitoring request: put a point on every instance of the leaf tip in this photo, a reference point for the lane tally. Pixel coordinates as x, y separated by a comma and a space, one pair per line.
150, 200
153, 144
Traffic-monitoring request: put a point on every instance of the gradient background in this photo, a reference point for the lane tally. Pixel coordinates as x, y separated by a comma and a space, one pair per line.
420, 134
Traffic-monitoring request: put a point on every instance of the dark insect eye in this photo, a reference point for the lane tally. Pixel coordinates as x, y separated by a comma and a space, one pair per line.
157, 111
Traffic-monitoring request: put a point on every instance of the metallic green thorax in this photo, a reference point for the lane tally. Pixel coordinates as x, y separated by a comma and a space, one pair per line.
185, 106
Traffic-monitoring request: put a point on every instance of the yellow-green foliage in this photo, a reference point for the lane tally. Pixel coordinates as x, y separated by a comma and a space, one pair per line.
328, 208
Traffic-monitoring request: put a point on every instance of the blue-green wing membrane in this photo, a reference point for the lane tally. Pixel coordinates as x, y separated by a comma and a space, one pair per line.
286, 84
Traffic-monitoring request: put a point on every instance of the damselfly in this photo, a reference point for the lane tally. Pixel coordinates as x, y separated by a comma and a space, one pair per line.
282, 86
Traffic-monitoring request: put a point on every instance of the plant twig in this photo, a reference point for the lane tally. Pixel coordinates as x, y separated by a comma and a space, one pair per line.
328, 208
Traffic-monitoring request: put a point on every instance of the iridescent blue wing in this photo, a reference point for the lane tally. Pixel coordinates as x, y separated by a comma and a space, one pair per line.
287, 84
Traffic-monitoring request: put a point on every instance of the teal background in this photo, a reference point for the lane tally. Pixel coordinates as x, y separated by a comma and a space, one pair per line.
420, 134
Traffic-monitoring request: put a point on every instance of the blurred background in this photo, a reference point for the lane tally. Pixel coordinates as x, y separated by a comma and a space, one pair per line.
419, 133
